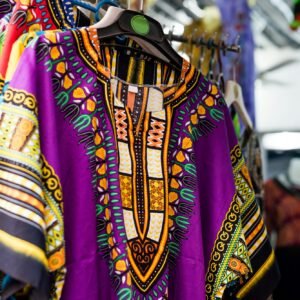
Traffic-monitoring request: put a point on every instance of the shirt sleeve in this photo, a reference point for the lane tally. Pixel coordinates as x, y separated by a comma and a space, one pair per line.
31, 224
238, 255
265, 273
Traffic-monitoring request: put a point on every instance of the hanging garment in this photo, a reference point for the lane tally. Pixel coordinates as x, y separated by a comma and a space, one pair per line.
236, 20
23, 41
34, 15
143, 184
257, 291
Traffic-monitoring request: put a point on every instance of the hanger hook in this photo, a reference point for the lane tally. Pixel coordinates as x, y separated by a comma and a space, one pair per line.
100, 5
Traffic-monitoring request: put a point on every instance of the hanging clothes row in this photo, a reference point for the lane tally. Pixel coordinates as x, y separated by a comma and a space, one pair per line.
121, 176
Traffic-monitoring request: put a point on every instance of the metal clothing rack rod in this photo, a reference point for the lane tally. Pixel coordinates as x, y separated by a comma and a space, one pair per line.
209, 43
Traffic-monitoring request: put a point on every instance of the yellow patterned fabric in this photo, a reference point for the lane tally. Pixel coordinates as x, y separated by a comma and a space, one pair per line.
31, 195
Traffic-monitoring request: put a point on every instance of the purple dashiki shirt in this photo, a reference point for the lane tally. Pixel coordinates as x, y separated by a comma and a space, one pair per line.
122, 179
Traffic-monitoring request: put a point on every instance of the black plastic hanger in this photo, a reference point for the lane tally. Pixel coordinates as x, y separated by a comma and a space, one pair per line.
145, 29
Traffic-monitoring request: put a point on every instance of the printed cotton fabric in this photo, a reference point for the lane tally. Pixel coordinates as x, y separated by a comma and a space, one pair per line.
133, 174
31, 16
